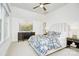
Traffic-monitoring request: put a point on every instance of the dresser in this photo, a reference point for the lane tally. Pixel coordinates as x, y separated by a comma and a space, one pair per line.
24, 35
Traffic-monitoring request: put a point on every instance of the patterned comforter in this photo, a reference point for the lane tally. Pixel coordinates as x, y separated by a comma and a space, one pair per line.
43, 43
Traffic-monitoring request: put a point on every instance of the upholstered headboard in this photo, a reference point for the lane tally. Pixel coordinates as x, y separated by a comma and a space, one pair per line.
60, 27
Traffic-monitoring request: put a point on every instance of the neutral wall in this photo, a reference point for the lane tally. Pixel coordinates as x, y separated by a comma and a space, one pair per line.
67, 14
20, 16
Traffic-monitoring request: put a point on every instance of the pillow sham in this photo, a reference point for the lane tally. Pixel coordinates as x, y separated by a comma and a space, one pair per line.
53, 33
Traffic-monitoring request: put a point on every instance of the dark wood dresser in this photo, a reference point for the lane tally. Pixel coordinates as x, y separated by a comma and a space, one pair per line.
24, 35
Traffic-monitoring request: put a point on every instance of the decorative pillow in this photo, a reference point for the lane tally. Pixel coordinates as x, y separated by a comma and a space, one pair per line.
53, 33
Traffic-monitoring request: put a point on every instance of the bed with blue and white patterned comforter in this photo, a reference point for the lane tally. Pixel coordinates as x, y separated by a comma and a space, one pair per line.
43, 43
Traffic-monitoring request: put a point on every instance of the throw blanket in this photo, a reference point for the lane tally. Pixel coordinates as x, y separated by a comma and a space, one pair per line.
43, 43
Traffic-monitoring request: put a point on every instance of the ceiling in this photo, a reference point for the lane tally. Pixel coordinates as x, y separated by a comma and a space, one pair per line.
29, 6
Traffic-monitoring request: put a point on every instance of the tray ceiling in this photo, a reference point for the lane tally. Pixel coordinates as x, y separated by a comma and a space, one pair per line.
29, 6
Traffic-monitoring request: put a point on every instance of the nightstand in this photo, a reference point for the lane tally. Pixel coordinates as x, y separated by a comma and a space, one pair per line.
71, 40
76, 43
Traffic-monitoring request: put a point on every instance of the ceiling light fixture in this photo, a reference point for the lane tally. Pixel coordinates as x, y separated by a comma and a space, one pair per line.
41, 5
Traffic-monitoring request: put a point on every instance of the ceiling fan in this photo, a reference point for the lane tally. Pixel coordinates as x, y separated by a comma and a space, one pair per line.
41, 5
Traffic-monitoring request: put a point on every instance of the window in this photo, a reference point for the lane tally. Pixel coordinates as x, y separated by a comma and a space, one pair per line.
0, 22
3, 23
0, 29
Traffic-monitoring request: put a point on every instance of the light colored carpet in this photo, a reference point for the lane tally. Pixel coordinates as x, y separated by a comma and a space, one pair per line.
24, 49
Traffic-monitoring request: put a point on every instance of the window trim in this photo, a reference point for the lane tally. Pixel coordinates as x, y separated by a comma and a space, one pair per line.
3, 12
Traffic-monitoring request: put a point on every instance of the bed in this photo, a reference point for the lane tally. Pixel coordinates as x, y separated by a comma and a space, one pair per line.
55, 40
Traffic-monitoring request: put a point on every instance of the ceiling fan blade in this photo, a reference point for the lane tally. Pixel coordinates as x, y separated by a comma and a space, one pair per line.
44, 8
40, 3
36, 7
46, 3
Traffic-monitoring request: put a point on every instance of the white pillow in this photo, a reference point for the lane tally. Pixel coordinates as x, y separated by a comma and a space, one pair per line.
53, 33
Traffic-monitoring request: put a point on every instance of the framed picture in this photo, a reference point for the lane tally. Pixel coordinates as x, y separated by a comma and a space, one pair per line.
26, 27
